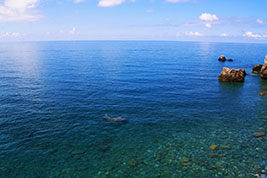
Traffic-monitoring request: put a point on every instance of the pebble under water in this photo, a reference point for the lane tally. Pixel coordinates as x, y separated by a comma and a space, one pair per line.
180, 120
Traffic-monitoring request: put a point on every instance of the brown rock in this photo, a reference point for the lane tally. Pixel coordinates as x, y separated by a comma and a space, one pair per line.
263, 93
259, 134
230, 60
257, 68
264, 69
222, 58
232, 75
214, 147
213, 155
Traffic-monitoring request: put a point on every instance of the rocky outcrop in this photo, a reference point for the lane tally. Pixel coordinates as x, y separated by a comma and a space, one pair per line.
222, 58
257, 68
232, 75
263, 93
264, 69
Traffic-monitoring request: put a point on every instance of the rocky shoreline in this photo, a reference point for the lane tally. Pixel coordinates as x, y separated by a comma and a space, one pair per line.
238, 75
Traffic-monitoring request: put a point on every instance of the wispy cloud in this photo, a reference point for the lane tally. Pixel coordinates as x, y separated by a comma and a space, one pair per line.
149, 11
224, 35
193, 34
111, 3
78, 1
10, 35
259, 21
18, 10
176, 1
73, 31
255, 35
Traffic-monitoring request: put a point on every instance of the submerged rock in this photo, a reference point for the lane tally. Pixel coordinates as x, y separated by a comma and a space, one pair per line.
114, 119
222, 58
214, 147
264, 69
232, 75
230, 60
259, 134
257, 68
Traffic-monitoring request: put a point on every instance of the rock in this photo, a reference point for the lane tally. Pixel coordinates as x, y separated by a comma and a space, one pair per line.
214, 147
222, 58
133, 163
264, 69
114, 119
184, 160
212, 167
213, 155
257, 68
263, 93
259, 134
232, 75
257, 167
225, 147
187, 164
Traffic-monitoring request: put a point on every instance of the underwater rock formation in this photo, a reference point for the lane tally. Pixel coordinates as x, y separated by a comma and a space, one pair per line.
114, 119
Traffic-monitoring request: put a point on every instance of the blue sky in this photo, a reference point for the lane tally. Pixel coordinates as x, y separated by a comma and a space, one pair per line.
178, 20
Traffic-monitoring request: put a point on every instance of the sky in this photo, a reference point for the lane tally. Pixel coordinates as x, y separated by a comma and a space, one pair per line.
172, 20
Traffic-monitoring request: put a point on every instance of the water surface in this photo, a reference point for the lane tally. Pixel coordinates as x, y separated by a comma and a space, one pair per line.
54, 96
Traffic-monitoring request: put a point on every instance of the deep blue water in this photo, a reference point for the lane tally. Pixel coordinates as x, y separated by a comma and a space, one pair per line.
54, 95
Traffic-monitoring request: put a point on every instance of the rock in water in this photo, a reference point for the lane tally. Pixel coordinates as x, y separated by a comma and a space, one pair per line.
259, 134
257, 68
264, 69
114, 119
232, 75
263, 93
230, 60
222, 58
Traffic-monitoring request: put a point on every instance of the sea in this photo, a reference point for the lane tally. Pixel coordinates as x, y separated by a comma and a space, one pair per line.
179, 120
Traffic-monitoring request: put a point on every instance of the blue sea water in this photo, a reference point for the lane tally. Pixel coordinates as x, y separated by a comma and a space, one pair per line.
54, 95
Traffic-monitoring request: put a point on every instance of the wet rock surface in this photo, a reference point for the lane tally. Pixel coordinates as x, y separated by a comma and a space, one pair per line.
222, 58
232, 75
257, 68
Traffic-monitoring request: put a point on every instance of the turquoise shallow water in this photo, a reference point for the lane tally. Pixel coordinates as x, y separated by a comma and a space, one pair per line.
54, 96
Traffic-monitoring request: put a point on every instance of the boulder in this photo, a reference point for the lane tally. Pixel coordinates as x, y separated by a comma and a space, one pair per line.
257, 68
263, 93
264, 69
222, 58
232, 75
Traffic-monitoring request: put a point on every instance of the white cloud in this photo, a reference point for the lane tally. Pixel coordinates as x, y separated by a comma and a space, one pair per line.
149, 11
176, 1
78, 1
259, 21
253, 35
224, 35
193, 34
110, 3
73, 31
208, 17
18, 10
208, 25
10, 35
